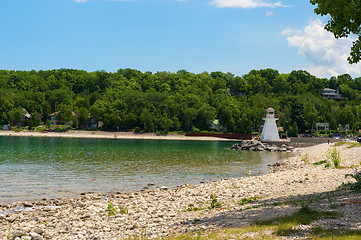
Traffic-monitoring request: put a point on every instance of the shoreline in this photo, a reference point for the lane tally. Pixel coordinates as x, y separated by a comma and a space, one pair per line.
161, 212
110, 135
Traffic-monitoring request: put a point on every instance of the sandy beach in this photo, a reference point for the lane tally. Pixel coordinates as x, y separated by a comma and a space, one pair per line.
162, 212
103, 134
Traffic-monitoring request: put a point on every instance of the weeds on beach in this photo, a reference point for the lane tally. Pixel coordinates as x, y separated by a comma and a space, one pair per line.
111, 210
213, 204
353, 145
349, 144
304, 158
334, 155
320, 162
354, 186
123, 210
244, 201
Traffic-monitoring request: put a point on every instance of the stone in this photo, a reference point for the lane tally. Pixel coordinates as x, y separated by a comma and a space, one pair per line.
17, 233
35, 236
12, 218
38, 230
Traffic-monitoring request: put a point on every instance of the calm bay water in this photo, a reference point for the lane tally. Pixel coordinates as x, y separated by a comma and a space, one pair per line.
33, 168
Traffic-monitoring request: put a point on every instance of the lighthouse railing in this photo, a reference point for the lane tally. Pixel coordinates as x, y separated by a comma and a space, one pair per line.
270, 116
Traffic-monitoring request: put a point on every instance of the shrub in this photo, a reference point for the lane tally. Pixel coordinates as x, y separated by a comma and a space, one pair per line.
334, 155
111, 209
356, 186
123, 209
195, 130
137, 129
214, 203
305, 158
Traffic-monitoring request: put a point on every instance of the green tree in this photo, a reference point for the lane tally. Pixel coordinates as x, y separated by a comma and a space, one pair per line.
65, 114
15, 115
188, 116
147, 119
345, 20
165, 123
293, 130
83, 115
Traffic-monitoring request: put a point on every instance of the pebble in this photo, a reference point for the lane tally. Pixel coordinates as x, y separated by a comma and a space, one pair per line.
161, 212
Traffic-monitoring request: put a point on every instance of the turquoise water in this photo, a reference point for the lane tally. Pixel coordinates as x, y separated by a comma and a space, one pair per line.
34, 167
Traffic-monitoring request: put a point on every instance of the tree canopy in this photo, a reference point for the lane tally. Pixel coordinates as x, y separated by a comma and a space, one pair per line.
181, 101
345, 20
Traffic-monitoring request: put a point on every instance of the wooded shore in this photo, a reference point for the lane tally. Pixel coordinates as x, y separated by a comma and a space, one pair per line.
113, 135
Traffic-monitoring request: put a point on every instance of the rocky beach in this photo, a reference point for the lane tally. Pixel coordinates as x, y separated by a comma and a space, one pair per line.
227, 203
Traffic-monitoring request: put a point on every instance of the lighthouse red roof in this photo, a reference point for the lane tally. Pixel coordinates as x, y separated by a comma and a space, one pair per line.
270, 109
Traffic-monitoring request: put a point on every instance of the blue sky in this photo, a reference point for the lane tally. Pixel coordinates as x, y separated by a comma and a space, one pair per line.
168, 35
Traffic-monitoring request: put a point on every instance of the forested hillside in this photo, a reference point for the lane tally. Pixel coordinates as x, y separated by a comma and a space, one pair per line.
181, 101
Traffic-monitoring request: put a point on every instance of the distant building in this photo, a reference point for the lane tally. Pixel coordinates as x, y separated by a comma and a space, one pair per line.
25, 116
322, 127
54, 121
215, 125
92, 123
330, 93
344, 128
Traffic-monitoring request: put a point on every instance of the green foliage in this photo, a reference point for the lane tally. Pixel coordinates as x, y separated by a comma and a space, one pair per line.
123, 209
345, 20
111, 209
353, 145
334, 155
293, 130
304, 158
214, 203
320, 162
244, 201
304, 216
177, 102
354, 186
338, 144
137, 129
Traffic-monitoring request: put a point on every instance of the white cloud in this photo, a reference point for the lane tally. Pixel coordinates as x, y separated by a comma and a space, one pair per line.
80, 0
270, 13
245, 3
328, 54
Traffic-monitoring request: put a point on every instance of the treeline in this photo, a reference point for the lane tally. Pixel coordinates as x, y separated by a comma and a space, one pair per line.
181, 101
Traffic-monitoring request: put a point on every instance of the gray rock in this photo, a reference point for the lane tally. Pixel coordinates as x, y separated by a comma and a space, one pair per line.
12, 218
35, 236
17, 233
38, 230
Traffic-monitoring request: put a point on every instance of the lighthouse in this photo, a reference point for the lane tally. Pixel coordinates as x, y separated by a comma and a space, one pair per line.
270, 132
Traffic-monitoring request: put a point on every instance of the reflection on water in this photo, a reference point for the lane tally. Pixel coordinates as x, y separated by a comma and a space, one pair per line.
33, 168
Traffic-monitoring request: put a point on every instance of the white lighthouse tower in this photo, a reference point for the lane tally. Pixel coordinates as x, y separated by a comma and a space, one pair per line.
270, 132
